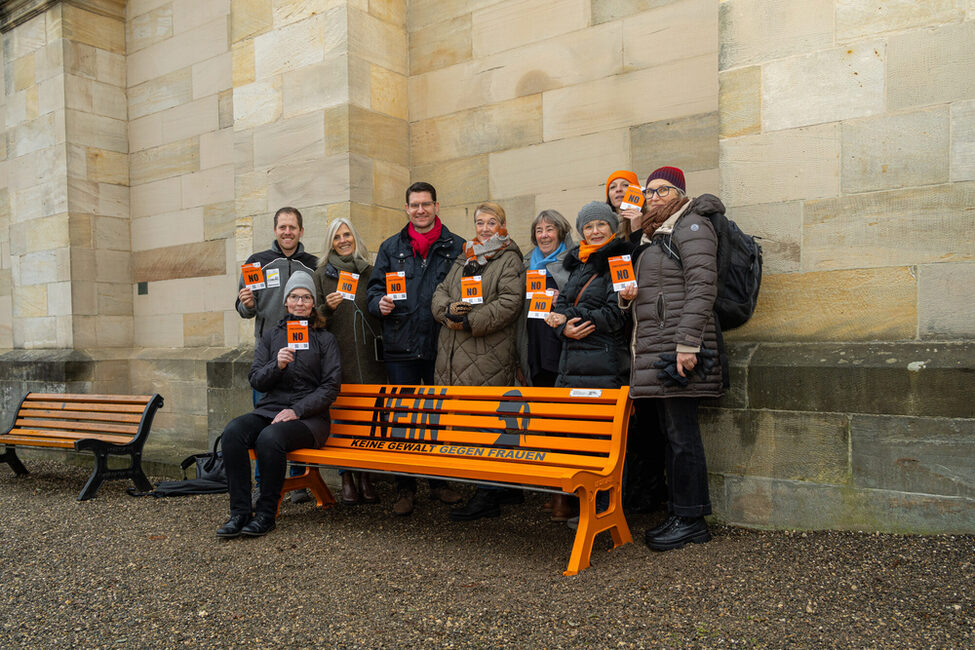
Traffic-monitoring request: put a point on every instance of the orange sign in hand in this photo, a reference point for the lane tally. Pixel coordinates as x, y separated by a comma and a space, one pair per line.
633, 199
348, 282
396, 285
541, 304
253, 276
621, 271
471, 290
298, 334
534, 282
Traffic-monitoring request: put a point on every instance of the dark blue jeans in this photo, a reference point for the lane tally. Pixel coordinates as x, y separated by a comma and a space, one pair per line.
419, 371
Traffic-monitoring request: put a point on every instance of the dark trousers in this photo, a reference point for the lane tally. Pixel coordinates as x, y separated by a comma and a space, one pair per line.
271, 442
418, 371
687, 472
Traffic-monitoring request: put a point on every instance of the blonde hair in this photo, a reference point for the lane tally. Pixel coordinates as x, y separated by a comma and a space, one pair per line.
360, 252
492, 208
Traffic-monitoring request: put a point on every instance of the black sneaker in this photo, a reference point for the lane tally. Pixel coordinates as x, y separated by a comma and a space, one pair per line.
661, 527
679, 533
484, 503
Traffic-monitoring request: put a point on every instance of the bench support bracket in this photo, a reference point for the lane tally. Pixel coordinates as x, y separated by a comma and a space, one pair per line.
10, 457
101, 473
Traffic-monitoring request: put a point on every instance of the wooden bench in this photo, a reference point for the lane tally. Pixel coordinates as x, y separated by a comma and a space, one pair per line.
547, 439
106, 425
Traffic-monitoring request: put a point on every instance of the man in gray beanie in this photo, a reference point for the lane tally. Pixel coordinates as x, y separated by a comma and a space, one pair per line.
597, 210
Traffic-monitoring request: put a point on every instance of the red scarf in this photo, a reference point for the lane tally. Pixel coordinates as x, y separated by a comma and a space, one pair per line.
585, 250
422, 241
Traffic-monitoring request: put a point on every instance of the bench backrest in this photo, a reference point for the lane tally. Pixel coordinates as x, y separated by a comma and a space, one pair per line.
560, 427
73, 416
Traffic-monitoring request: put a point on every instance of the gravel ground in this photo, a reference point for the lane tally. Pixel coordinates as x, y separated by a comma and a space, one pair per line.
118, 571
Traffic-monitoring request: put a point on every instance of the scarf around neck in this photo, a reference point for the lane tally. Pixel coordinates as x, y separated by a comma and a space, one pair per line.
347, 262
474, 250
422, 241
539, 261
656, 217
585, 250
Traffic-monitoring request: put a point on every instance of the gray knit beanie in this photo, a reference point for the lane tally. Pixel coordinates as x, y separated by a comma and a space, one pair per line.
597, 210
299, 280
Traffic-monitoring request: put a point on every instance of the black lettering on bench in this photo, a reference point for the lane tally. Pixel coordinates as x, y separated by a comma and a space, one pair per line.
380, 418
509, 412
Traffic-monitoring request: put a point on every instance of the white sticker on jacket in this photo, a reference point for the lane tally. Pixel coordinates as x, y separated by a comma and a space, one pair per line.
273, 277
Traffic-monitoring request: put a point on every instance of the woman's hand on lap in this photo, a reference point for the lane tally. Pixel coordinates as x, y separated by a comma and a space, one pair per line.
287, 415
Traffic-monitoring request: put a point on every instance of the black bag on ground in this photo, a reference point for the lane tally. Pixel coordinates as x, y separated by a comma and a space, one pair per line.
211, 477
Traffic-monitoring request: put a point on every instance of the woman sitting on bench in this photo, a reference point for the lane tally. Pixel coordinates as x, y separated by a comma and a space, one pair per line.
299, 385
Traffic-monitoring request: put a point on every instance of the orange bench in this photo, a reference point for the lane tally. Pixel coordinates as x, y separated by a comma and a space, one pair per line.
547, 439
106, 425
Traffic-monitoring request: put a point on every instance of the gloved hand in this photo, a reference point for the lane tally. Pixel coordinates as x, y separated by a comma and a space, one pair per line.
457, 310
705, 362
668, 373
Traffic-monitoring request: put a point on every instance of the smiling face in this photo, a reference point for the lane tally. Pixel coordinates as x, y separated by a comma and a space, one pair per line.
422, 210
300, 303
597, 232
547, 236
343, 242
486, 225
616, 191
287, 232
656, 198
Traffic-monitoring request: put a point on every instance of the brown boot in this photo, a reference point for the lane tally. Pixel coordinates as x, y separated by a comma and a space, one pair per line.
366, 489
350, 495
564, 506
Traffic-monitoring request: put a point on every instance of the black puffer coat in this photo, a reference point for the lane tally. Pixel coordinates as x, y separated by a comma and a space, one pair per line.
600, 360
675, 301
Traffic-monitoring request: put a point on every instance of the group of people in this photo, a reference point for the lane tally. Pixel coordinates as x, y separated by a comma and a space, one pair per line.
657, 334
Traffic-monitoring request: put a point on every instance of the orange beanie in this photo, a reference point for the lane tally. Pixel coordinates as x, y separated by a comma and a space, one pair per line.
622, 173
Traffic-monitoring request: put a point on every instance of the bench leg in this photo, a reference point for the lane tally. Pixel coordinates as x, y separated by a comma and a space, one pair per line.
10, 457
591, 524
312, 480
142, 482
97, 476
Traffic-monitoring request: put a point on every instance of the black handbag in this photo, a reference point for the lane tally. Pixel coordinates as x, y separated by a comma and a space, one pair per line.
209, 466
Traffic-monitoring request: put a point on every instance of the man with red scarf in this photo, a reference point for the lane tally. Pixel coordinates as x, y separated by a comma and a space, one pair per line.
424, 251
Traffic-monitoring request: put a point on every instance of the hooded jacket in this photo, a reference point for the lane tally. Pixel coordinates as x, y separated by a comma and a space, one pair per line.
269, 302
485, 355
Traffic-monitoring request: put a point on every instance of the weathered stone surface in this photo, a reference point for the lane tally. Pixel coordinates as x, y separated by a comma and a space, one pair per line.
155, 198
242, 61
188, 14
181, 51
249, 17
890, 228
451, 45
463, 180
378, 42
422, 13
754, 31
946, 301
96, 131
213, 75
30, 301
378, 136
891, 151
780, 227
148, 28
275, 52
931, 66
507, 25
225, 109
607, 10
315, 87
114, 299
680, 30
740, 101
563, 164
257, 103
203, 329
389, 92
183, 261
217, 148
598, 106
568, 201
214, 185
388, 183
799, 164
45, 131
290, 140
166, 91
908, 454
862, 18
93, 29
173, 159
514, 123
917, 379
777, 444
856, 305
25, 39
310, 183
963, 141
167, 229
690, 143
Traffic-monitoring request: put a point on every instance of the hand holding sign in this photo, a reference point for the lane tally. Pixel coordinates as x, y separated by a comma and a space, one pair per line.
253, 276
541, 304
633, 199
348, 283
298, 334
534, 282
396, 285
621, 272
285, 356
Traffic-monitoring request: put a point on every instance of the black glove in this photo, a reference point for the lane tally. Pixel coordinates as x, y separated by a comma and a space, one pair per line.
705, 362
668, 373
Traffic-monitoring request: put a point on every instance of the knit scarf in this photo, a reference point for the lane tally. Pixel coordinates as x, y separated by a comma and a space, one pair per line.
586, 249
656, 216
347, 262
480, 253
540, 261
422, 241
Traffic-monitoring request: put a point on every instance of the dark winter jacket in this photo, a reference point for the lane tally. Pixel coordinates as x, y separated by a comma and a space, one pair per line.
485, 355
355, 329
269, 302
409, 331
308, 384
545, 344
672, 311
600, 360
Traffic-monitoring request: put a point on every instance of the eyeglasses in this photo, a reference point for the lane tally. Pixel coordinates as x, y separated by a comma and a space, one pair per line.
297, 298
663, 191
425, 205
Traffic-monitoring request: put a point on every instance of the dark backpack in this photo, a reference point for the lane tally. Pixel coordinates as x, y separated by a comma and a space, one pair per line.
739, 271
211, 477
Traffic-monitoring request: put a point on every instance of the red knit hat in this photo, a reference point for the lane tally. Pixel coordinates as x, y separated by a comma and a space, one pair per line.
624, 174
670, 174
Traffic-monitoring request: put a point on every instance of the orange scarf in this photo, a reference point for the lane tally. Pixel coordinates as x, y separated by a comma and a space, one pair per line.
585, 250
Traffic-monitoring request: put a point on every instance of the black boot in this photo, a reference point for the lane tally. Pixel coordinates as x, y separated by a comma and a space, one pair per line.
679, 533
661, 527
484, 503
261, 524
233, 526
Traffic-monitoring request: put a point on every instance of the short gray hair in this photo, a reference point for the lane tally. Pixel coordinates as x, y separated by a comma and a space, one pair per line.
561, 224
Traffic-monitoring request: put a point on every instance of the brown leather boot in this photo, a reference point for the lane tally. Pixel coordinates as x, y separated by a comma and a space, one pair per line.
366, 489
564, 506
350, 495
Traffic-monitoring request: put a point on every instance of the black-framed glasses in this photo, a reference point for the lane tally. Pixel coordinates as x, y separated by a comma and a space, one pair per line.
426, 205
296, 298
662, 191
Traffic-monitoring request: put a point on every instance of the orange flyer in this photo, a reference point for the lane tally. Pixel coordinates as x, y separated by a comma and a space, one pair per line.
298, 334
534, 282
471, 290
396, 285
633, 199
621, 271
348, 282
253, 276
541, 304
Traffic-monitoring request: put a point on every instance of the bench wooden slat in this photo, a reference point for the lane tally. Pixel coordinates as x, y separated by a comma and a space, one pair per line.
534, 424
81, 415
130, 429
83, 397
606, 395
488, 407
69, 435
31, 441
80, 407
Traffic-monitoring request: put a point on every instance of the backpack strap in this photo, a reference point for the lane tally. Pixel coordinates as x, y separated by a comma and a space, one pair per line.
583, 290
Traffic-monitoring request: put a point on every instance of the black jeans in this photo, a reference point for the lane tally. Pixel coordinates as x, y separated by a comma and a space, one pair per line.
410, 373
272, 442
687, 471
